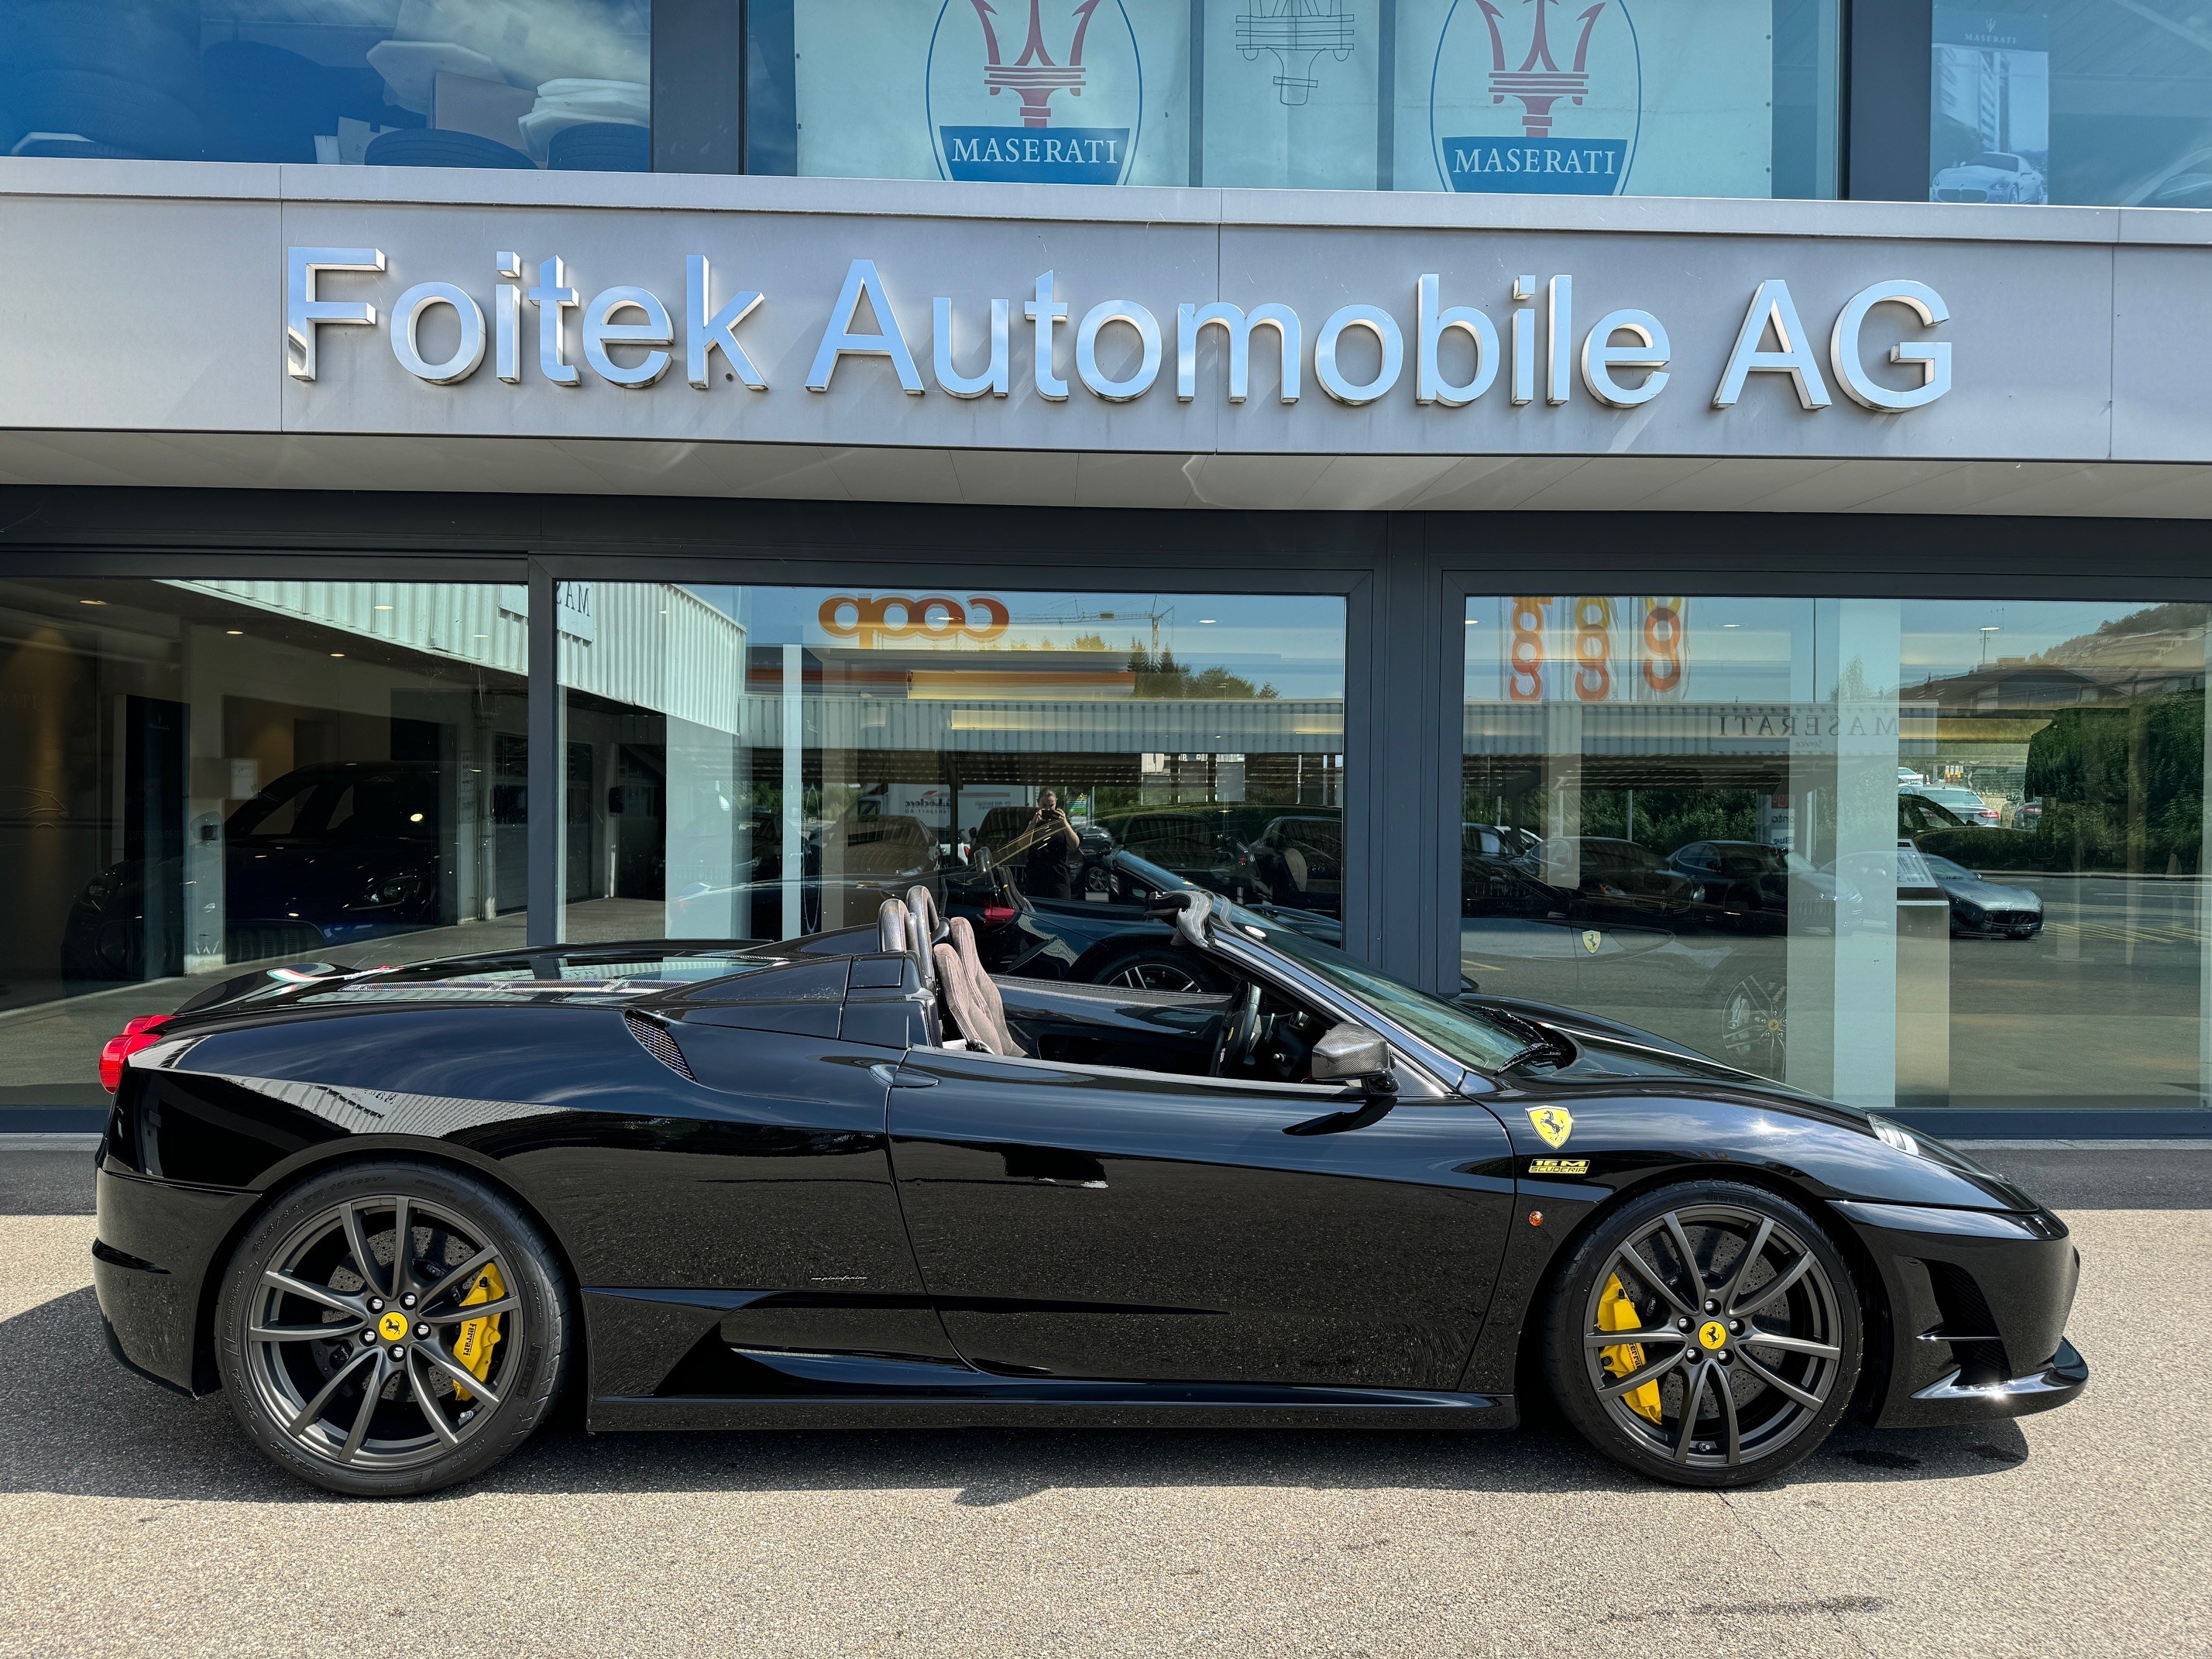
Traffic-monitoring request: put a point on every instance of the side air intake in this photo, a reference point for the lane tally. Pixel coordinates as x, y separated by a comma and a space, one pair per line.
654, 1038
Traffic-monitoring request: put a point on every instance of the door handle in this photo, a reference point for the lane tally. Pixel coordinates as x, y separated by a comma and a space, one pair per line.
898, 1077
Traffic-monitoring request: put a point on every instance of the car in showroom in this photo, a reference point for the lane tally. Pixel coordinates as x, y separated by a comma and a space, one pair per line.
328, 854
851, 1179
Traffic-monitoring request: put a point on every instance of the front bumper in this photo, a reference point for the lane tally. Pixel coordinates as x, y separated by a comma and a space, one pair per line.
2041, 1389
1977, 1302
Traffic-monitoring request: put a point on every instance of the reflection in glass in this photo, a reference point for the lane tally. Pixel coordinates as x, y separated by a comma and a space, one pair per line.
479, 83
1901, 852
758, 763
201, 776
2099, 102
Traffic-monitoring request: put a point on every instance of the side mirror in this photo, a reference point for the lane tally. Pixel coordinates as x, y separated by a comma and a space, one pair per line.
1352, 1053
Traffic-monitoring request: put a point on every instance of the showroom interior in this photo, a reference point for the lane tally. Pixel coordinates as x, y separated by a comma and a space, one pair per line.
1864, 752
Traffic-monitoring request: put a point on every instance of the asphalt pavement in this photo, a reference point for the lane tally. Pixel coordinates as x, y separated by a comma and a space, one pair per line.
134, 1520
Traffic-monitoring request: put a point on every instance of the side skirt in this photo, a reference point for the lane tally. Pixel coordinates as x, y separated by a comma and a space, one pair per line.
1033, 1404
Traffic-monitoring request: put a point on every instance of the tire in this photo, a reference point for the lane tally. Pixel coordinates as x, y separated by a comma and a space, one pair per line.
315, 1235
1780, 1403
1157, 968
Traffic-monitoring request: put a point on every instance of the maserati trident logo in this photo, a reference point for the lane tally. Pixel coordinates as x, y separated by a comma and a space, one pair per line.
1539, 84
1526, 97
1297, 31
989, 61
1033, 75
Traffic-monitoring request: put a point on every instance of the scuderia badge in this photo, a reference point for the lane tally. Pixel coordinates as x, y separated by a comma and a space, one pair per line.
1554, 1123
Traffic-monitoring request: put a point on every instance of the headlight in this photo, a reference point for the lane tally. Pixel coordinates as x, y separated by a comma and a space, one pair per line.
1891, 1134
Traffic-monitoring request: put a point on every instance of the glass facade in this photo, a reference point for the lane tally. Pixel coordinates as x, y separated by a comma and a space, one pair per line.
2103, 102
756, 763
196, 776
1724, 98
1921, 853
1918, 854
562, 84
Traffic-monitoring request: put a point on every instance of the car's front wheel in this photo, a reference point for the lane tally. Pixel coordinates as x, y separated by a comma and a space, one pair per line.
392, 1327
1707, 1334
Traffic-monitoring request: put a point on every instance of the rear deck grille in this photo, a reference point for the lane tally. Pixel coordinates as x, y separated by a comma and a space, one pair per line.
654, 1039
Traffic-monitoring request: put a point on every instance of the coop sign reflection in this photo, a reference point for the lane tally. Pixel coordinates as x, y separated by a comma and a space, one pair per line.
1526, 345
867, 619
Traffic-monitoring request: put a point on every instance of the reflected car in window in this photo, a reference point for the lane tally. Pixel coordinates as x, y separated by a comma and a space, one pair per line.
1617, 880
1962, 802
1993, 176
1755, 887
326, 855
1299, 860
1916, 815
1984, 908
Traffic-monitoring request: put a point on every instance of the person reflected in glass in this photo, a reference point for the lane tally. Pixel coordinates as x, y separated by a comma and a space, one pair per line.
1049, 866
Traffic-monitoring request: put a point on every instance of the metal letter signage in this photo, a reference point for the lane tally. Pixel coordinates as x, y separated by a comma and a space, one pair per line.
1624, 361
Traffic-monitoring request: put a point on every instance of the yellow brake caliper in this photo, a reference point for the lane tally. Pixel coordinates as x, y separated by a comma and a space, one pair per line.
1615, 1312
479, 1337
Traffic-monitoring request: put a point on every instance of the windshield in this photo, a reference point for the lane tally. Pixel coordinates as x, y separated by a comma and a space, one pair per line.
1469, 1038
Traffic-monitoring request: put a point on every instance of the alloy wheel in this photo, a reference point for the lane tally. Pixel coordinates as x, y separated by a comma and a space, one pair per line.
1713, 1336
1148, 973
382, 1334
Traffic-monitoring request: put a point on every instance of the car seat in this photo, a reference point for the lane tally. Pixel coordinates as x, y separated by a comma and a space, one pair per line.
968, 998
962, 934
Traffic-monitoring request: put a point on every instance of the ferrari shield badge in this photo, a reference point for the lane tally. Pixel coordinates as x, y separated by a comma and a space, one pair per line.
1591, 939
1554, 1123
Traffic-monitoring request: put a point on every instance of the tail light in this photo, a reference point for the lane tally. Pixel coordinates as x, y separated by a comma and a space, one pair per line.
143, 1032
999, 915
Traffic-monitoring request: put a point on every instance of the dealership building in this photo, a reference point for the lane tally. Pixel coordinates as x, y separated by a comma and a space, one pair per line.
1692, 511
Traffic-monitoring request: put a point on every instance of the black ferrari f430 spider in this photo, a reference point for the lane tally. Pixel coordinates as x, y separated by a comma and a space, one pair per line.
851, 1179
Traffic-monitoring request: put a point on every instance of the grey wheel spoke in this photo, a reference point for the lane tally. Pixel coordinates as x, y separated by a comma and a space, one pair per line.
1623, 1339
1644, 1271
1745, 1262
1776, 1383
357, 1242
426, 1401
461, 1277
304, 1333
1693, 1397
461, 1315
1774, 1287
402, 1246
1690, 1264
1756, 1338
461, 1373
1637, 1379
369, 1397
313, 1409
1729, 1418
307, 1291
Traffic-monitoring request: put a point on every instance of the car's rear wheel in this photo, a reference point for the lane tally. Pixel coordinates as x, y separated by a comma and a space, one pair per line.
1707, 1334
392, 1327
